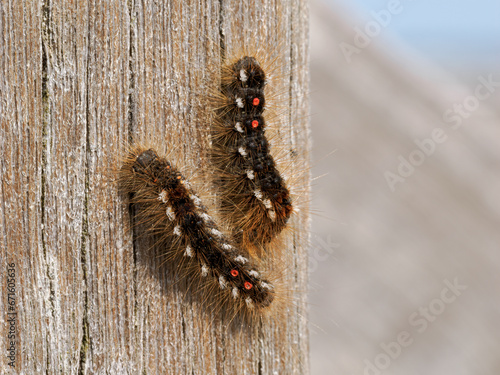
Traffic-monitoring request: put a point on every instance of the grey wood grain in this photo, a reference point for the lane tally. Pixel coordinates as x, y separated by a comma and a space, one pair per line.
78, 81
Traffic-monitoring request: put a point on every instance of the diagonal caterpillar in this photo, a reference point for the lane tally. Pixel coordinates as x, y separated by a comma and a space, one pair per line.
160, 187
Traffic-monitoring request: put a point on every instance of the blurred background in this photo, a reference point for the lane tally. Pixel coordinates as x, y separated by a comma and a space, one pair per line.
405, 257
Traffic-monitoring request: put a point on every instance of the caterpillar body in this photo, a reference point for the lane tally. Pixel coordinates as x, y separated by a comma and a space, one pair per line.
169, 205
253, 192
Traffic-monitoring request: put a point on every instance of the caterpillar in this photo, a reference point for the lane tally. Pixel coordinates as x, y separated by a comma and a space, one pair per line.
169, 205
252, 191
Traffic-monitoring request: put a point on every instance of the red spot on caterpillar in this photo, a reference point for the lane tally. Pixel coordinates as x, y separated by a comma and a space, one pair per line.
234, 273
248, 285
255, 123
256, 102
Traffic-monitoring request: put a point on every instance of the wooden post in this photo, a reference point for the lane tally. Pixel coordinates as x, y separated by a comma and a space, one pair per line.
78, 80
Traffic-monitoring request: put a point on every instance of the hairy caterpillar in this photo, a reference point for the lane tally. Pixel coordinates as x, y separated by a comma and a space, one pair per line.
170, 206
253, 192
255, 202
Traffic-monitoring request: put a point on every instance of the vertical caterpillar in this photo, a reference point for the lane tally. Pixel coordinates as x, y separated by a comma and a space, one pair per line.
169, 206
253, 193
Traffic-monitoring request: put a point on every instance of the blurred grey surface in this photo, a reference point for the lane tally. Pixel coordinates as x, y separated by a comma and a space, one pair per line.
403, 280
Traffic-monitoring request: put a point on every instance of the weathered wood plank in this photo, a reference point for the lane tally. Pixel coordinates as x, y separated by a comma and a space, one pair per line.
92, 298
21, 221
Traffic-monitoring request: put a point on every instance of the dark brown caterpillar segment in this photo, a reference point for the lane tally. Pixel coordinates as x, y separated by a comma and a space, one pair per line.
251, 187
199, 236
246, 72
